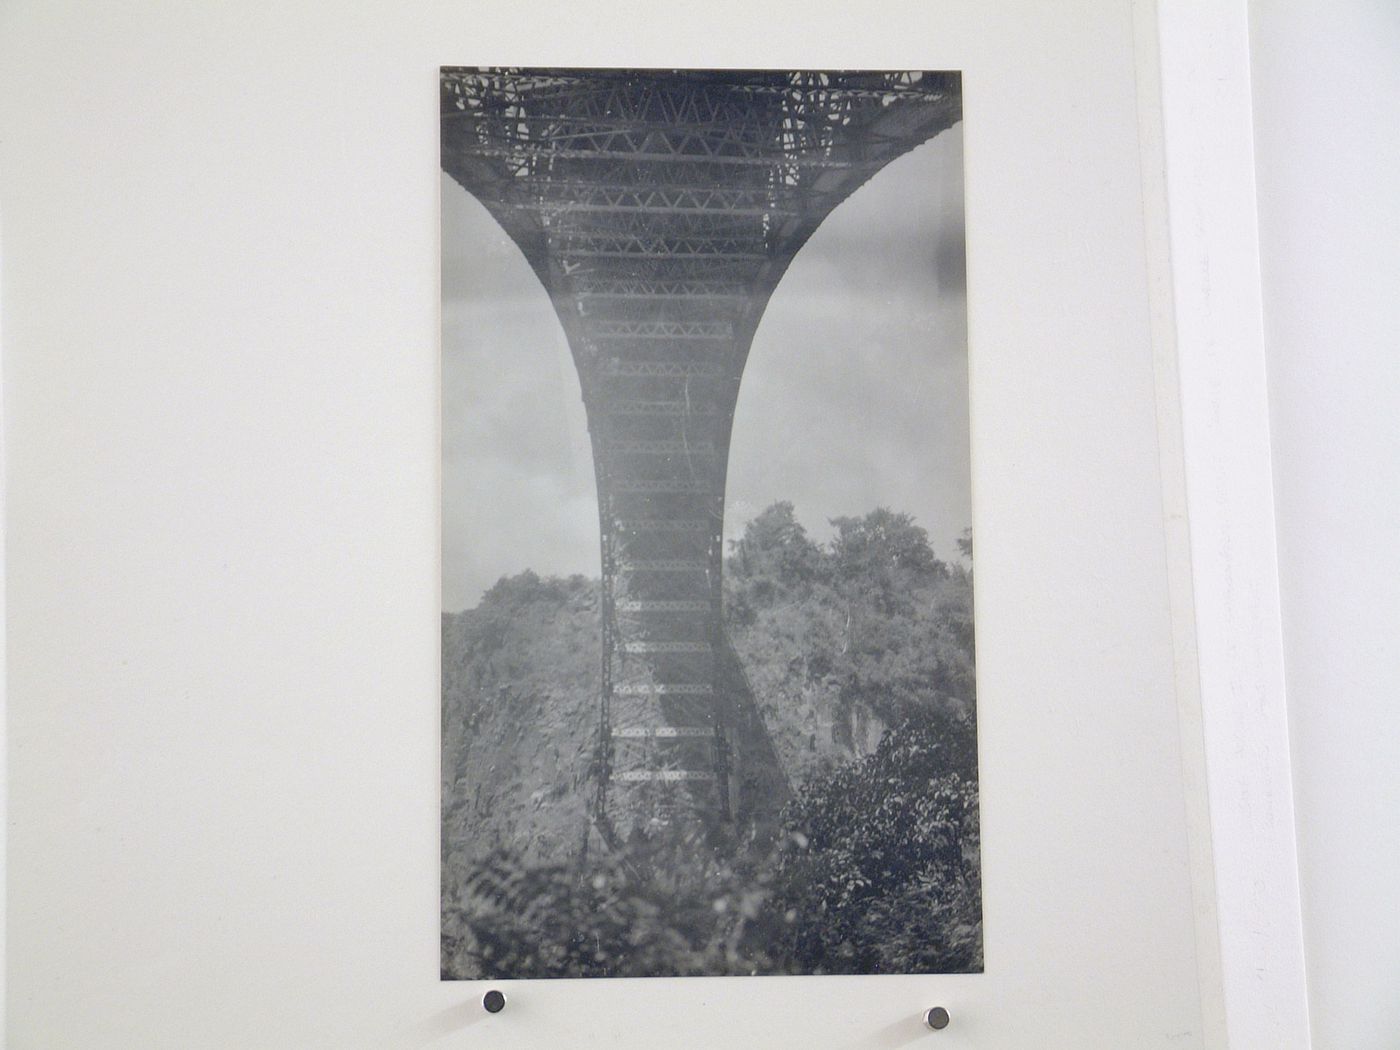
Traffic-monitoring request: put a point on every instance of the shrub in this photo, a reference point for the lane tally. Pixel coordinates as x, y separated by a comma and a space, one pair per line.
875, 871
879, 872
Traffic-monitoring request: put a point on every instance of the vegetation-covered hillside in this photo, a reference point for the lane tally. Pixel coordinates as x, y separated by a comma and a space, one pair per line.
519, 719
859, 653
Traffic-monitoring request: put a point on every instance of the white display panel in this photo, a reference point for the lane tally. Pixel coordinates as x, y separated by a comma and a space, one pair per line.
220, 323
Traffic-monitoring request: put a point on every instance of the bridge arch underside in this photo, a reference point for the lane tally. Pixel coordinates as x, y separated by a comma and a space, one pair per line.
659, 210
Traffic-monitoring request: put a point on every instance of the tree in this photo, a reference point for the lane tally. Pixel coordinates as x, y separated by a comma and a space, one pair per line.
773, 560
965, 543
775, 545
883, 556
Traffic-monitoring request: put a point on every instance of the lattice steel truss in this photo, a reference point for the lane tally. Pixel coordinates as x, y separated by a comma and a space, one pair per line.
660, 209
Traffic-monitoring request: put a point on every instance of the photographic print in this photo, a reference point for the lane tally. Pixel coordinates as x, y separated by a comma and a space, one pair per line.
708, 681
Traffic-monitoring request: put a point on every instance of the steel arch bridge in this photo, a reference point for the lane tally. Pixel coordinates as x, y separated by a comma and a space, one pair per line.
659, 209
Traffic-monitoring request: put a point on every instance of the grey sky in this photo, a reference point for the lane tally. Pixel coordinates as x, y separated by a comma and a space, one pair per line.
855, 393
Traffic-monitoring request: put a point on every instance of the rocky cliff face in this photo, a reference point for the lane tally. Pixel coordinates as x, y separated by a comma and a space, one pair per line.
519, 719
815, 679
521, 684
860, 649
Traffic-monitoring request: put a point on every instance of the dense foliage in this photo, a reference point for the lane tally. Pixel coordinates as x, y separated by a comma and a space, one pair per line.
860, 655
880, 865
650, 907
876, 871
846, 639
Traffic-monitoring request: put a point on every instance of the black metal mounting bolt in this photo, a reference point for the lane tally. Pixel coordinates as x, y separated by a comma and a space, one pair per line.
494, 1001
936, 1018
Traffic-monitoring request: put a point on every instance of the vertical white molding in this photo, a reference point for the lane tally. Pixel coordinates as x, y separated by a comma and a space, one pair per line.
1176, 522
1207, 118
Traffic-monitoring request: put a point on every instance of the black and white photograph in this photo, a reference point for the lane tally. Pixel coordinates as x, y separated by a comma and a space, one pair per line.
708, 677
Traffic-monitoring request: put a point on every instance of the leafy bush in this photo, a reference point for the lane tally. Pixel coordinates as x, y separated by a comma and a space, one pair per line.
879, 872
651, 907
876, 871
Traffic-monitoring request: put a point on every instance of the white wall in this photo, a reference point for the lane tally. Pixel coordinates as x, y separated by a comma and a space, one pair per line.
221, 389
1327, 125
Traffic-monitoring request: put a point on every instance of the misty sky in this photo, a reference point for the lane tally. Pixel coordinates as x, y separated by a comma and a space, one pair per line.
854, 396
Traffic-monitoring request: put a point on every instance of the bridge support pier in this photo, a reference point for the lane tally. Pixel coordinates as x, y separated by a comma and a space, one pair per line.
660, 209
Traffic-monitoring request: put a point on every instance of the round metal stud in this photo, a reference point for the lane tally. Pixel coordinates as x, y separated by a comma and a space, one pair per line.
494, 1001
936, 1018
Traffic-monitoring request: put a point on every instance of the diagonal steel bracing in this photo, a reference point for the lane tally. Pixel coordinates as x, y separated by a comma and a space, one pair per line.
660, 209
